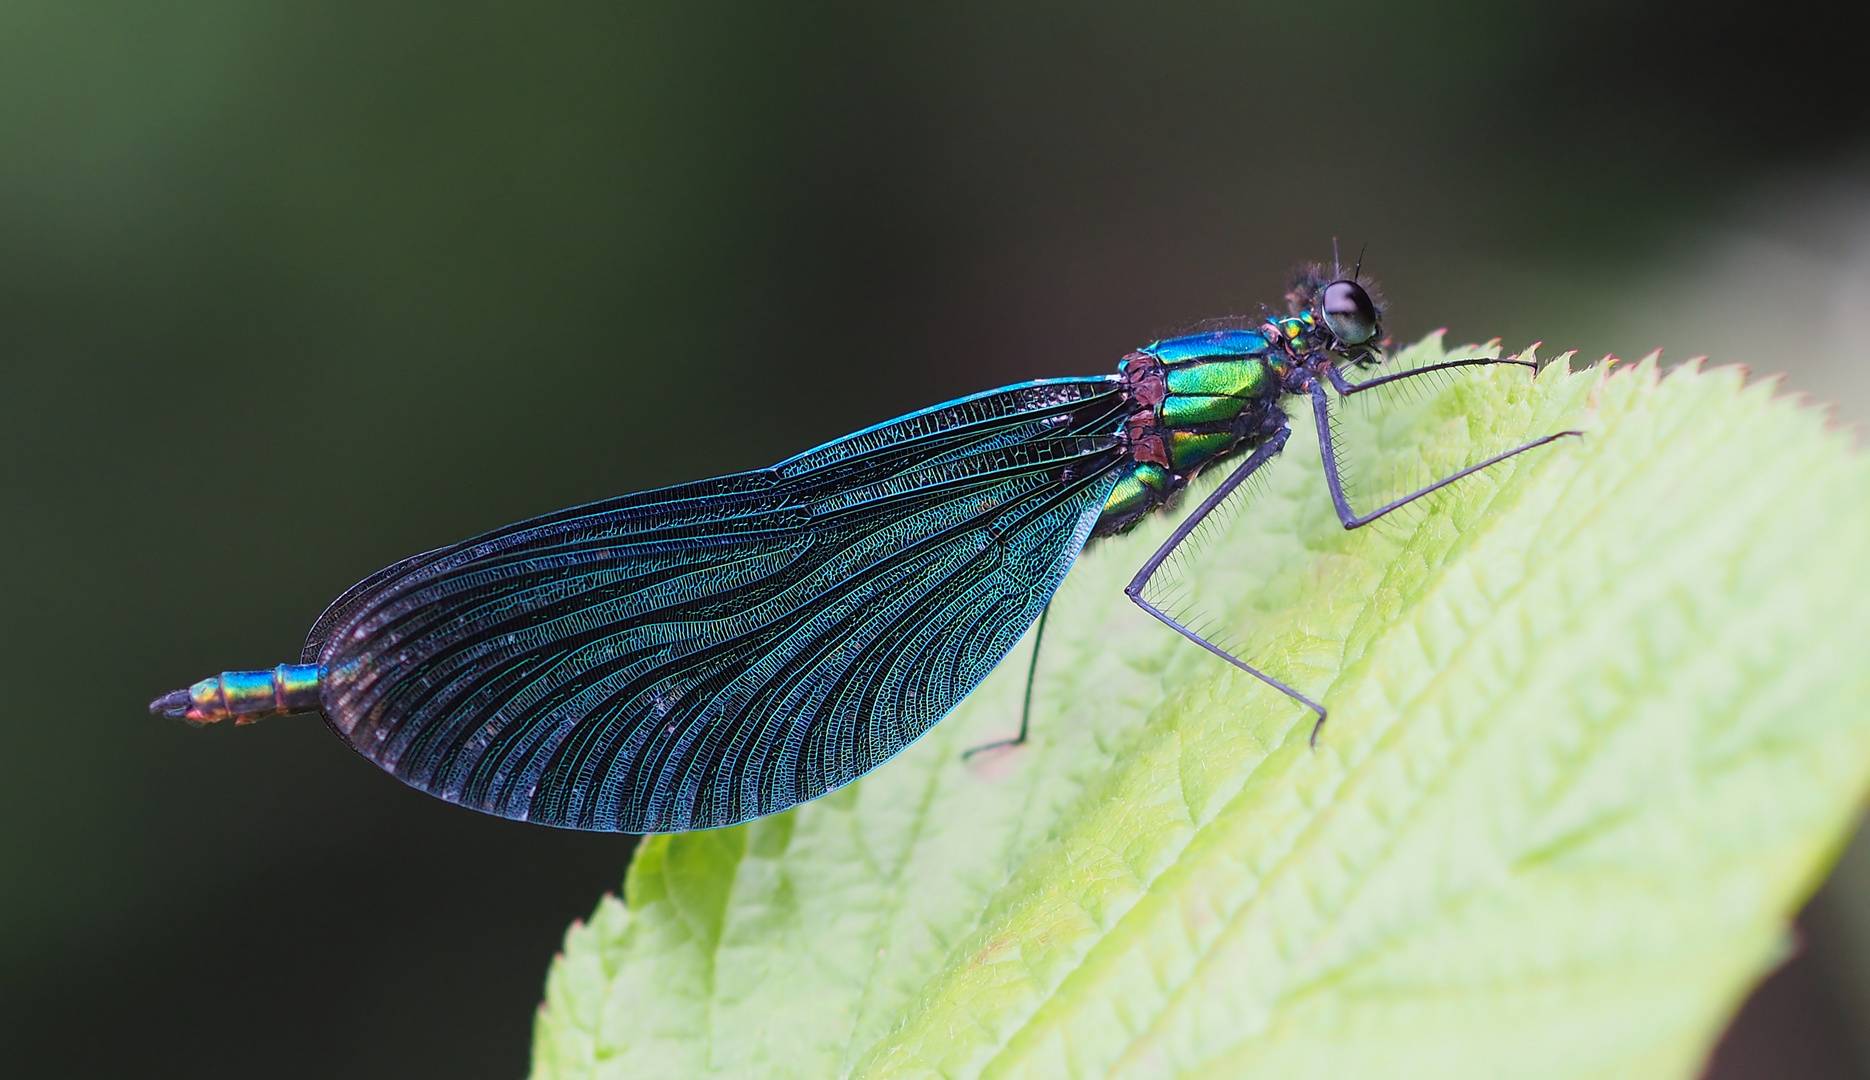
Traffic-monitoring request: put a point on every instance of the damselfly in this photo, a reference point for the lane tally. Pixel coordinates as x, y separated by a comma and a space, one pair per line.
712, 652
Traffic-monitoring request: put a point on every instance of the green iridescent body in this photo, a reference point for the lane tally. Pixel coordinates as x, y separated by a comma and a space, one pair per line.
1200, 398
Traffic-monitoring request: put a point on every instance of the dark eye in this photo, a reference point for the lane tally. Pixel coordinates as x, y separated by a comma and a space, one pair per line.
1347, 310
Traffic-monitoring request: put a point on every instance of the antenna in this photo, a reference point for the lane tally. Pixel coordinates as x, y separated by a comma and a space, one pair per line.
1359, 268
1337, 271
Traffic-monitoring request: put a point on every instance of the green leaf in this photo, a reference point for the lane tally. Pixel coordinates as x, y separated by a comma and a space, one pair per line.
1598, 725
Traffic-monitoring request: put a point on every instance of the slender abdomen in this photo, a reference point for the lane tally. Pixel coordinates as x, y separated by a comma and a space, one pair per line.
244, 696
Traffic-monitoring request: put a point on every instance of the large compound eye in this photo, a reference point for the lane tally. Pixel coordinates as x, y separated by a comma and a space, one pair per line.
1347, 310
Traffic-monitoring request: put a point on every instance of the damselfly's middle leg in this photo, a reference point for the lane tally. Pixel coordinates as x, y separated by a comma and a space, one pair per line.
1134, 590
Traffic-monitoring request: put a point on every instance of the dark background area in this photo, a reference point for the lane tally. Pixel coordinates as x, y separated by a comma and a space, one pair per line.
290, 290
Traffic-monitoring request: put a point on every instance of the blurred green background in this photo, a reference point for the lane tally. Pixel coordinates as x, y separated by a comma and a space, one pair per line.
290, 290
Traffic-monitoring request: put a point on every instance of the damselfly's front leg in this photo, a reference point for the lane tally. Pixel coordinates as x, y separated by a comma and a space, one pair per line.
1347, 388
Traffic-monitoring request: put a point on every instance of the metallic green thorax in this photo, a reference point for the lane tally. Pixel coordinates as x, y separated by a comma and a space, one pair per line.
1197, 399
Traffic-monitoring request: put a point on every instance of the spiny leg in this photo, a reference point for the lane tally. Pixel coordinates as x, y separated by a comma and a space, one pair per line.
1025, 713
1321, 415
1134, 590
1347, 388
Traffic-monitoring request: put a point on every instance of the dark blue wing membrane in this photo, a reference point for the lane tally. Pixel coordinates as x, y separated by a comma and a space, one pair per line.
708, 653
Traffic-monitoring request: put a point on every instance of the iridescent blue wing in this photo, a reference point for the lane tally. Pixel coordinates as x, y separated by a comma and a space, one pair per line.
708, 653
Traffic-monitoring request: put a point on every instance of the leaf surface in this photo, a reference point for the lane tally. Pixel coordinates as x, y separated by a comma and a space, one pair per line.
1598, 725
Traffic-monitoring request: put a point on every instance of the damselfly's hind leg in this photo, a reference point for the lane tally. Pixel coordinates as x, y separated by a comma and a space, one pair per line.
1321, 414
1025, 713
1265, 453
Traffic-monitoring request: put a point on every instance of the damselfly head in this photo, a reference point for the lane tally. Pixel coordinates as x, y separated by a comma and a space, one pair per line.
1348, 312
1345, 307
